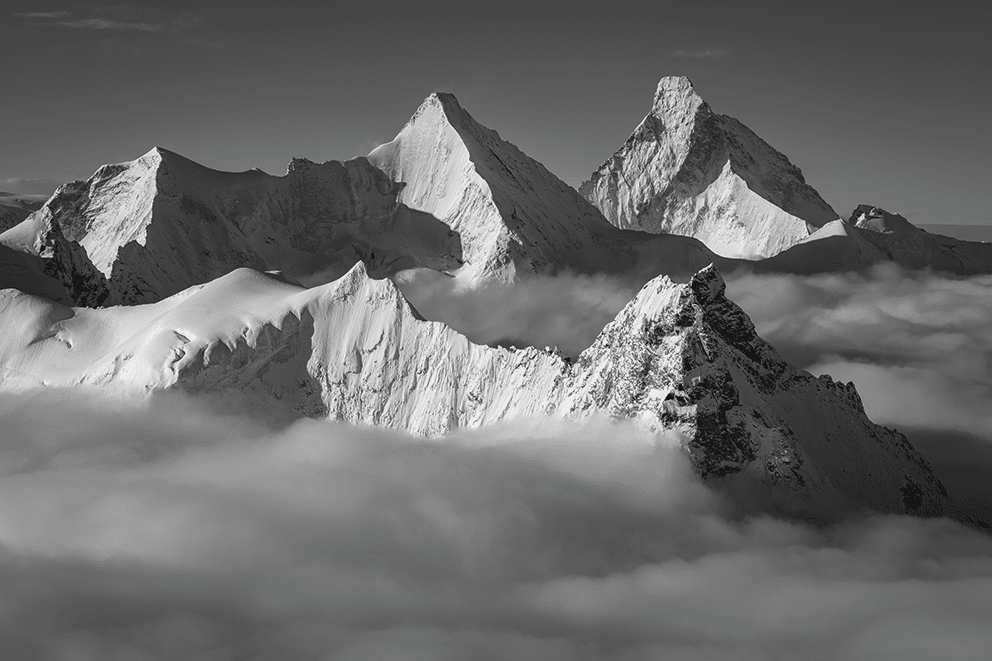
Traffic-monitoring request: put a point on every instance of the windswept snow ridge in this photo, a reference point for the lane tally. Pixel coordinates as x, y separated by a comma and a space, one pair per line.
687, 170
140, 231
678, 357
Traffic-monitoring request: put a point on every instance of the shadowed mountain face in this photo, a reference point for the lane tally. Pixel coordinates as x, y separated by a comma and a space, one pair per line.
687, 170
874, 236
140, 231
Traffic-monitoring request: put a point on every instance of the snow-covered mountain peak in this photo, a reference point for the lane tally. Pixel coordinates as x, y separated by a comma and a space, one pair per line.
676, 100
145, 229
513, 215
876, 219
661, 298
687, 170
679, 357
441, 102
874, 236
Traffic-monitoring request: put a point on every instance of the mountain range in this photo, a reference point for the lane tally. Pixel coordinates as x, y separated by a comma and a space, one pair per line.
279, 292
15, 208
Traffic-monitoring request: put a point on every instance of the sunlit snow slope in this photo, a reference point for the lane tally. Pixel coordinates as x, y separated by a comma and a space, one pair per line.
143, 230
515, 217
681, 358
687, 170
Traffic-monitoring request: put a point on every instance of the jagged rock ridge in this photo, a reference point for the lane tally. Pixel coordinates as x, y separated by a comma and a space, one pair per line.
678, 357
687, 170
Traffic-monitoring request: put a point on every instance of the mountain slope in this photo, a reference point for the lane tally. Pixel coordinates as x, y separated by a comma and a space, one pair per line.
514, 216
687, 170
154, 226
447, 194
15, 208
875, 236
679, 357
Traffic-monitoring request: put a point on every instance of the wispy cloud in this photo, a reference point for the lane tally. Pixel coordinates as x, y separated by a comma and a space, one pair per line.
25, 186
708, 52
122, 20
102, 24
166, 531
42, 14
909, 341
567, 311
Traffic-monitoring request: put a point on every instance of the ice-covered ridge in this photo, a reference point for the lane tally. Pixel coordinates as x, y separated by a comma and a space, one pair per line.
687, 170
681, 358
143, 230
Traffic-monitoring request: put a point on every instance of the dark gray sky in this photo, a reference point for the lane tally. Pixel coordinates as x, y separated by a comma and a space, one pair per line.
878, 102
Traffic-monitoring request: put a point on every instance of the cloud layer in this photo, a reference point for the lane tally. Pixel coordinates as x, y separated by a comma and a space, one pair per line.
918, 346
567, 311
171, 532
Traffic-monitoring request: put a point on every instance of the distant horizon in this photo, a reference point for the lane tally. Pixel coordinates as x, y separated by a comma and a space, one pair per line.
877, 103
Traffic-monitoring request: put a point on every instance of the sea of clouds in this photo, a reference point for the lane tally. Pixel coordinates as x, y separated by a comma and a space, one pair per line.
918, 346
174, 530
170, 531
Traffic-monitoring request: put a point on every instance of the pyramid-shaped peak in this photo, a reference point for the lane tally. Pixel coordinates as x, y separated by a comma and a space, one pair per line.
443, 107
446, 99
162, 155
706, 288
157, 156
675, 86
708, 285
676, 96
